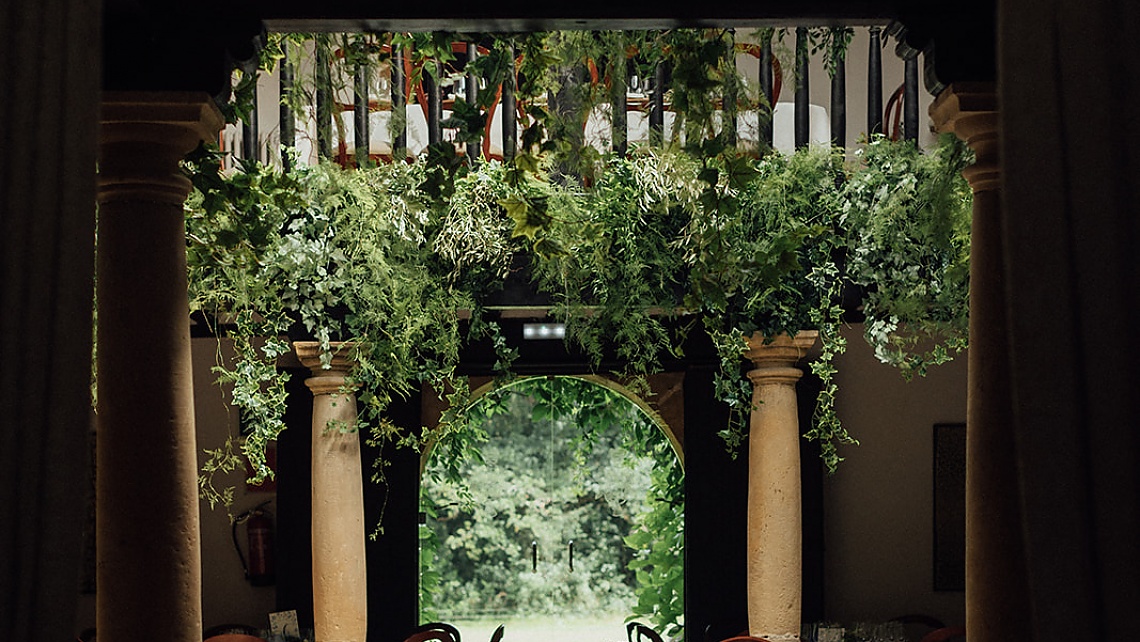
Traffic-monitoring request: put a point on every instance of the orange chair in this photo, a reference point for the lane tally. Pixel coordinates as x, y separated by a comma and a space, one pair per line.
232, 633
892, 115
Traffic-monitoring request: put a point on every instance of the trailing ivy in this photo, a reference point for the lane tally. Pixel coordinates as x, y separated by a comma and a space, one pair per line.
231, 226
906, 215
761, 256
326, 255
618, 279
400, 259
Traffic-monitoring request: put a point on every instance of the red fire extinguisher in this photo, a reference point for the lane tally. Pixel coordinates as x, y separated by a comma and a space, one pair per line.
259, 533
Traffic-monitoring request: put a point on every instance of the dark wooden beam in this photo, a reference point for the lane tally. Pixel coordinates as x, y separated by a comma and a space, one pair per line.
144, 47
803, 89
399, 102
471, 95
434, 105
361, 135
910, 99
288, 133
875, 83
768, 90
250, 145
324, 104
524, 15
509, 122
839, 103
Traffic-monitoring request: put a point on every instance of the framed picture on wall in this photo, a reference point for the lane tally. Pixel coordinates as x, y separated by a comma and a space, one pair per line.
950, 507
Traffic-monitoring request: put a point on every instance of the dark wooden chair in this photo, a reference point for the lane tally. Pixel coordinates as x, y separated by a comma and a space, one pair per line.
439, 631
637, 632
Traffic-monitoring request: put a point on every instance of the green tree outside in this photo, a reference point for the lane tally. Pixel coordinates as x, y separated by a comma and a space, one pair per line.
564, 461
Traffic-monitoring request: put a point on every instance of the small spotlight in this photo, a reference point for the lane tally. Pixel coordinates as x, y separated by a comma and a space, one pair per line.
544, 331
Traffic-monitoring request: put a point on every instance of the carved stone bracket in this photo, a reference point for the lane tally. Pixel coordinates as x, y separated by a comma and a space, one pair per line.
957, 46
969, 110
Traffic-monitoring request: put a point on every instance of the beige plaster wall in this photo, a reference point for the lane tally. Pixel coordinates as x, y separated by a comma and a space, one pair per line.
227, 598
878, 511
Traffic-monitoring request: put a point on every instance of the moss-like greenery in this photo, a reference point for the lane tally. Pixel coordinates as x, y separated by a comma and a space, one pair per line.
738, 244
695, 233
632, 251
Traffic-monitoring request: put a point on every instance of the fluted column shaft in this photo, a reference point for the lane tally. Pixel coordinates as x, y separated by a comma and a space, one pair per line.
775, 532
149, 557
340, 589
997, 607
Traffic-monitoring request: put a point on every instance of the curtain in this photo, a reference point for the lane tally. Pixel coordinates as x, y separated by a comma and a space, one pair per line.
49, 63
1069, 78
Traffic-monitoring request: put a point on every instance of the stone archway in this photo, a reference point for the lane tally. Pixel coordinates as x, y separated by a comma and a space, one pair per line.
530, 480
666, 408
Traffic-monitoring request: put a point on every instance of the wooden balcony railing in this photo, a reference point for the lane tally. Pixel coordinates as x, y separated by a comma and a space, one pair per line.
348, 131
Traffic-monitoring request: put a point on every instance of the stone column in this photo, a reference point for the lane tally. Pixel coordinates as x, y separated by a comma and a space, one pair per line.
340, 591
774, 511
148, 559
997, 605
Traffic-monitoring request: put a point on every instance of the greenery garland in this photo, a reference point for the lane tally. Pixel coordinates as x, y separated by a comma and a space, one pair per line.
390, 257
633, 251
743, 245
906, 218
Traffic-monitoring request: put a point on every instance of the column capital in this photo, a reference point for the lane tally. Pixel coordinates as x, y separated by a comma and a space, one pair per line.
144, 136
341, 353
782, 351
970, 111
330, 378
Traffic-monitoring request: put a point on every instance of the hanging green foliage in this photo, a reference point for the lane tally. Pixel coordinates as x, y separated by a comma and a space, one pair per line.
906, 217
633, 251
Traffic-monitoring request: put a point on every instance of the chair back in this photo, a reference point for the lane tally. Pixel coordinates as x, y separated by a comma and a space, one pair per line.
439, 631
641, 631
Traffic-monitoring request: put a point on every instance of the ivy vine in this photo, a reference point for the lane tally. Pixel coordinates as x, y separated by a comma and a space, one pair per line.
400, 258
